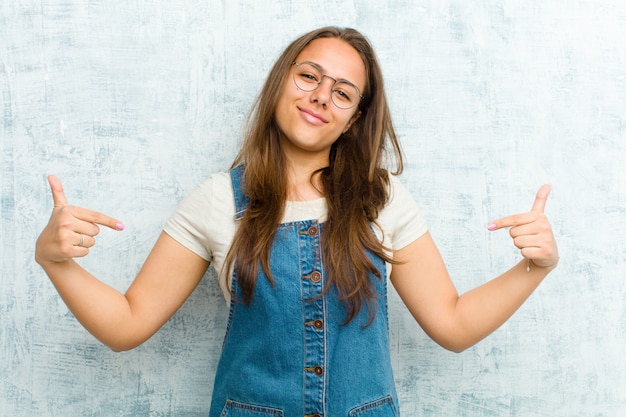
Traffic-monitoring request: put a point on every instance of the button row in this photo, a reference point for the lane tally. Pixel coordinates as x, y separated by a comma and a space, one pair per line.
316, 276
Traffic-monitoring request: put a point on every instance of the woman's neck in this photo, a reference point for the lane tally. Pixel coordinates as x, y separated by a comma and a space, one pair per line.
303, 181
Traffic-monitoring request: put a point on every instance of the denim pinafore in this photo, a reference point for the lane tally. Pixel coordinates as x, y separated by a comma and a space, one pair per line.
287, 353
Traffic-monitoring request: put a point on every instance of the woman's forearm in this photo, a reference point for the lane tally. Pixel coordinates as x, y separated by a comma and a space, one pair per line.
482, 310
102, 310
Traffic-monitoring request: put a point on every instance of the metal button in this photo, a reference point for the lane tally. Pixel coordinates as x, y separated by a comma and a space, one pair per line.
312, 231
318, 324
316, 276
319, 371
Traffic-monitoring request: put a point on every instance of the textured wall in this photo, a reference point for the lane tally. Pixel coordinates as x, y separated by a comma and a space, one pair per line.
132, 104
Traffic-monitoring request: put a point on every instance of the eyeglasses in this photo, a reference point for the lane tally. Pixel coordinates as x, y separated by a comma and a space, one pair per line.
308, 77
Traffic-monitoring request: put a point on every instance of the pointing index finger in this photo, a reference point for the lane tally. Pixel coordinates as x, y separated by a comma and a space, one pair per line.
58, 196
98, 218
523, 218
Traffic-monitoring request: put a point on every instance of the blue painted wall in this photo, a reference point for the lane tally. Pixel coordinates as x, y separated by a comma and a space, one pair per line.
132, 104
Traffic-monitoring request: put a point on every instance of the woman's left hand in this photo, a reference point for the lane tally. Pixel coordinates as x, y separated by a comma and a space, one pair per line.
532, 233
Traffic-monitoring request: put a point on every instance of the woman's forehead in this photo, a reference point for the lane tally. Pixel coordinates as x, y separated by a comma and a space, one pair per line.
336, 58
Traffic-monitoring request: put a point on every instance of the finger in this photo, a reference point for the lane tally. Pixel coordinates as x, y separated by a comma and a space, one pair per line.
90, 216
524, 218
85, 241
95, 218
58, 195
80, 252
512, 221
526, 241
541, 256
88, 242
537, 225
541, 198
86, 228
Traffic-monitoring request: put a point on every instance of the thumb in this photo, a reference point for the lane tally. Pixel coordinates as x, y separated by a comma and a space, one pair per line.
541, 198
58, 195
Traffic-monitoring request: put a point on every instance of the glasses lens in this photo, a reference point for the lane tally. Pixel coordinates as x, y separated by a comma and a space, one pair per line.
307, 77
345, 95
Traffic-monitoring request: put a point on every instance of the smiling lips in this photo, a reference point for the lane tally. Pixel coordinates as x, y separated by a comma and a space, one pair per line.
312, 117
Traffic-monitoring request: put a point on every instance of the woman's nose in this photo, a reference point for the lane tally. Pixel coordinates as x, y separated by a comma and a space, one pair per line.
323, 93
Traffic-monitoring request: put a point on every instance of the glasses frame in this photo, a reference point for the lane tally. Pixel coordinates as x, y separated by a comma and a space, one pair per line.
332, 88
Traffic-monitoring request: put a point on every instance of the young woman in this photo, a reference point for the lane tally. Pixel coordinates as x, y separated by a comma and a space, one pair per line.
304, 231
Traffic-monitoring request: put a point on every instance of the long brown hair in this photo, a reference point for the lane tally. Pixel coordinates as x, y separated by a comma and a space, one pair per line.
355, 183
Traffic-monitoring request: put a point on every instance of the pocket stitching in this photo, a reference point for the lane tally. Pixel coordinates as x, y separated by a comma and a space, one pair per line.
372, 405
230, 404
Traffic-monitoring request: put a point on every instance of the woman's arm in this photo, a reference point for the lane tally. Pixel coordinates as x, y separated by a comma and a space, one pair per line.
457, 323
120, 321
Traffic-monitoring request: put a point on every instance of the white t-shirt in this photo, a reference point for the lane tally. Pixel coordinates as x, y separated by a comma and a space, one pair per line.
205, 221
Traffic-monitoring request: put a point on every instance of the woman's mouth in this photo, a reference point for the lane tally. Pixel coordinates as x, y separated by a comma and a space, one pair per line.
312, 117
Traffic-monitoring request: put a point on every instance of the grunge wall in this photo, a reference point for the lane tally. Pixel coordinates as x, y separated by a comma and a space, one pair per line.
132, 104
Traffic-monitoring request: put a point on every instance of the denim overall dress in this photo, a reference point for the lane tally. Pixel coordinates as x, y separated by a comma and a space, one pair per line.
287, 353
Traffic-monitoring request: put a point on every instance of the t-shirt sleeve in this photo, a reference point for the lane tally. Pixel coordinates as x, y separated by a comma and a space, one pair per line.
402, 221
200, 219
187, 227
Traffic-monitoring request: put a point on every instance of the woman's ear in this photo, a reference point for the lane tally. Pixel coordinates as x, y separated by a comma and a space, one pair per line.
354, 118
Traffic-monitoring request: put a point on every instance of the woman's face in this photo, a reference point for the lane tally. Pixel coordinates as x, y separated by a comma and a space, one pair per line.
310, 121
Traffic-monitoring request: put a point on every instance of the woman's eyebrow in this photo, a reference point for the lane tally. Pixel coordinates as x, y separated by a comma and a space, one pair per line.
316, 65
323, 71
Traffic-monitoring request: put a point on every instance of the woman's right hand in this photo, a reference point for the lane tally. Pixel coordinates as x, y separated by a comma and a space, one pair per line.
71, 231
120, 321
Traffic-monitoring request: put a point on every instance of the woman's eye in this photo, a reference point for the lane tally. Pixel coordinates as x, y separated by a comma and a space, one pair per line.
343, 95
309, 77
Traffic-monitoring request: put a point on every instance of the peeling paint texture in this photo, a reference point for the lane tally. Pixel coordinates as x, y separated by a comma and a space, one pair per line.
133, 104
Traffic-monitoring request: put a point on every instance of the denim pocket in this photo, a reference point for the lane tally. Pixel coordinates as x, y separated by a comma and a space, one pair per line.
383, 407
237, 409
